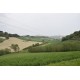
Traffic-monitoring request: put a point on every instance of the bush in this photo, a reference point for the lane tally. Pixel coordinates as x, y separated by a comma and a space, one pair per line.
34, 45
1, 40
15, 47
37, 49
5, 51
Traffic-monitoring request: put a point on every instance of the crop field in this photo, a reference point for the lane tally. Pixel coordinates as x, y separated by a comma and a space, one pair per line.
71, 58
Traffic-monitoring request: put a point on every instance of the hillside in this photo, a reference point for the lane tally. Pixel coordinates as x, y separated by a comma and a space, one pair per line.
73, 36
12, 40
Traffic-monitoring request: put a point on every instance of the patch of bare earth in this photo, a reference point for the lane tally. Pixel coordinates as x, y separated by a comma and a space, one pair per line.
12, 40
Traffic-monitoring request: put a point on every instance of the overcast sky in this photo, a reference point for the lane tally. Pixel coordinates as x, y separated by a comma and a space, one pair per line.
49, 24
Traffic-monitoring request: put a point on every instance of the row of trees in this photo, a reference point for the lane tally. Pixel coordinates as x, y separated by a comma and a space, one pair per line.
7, 35
60, 47
74, 36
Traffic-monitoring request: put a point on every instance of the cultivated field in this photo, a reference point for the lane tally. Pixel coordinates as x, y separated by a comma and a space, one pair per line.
12, 40
41, 59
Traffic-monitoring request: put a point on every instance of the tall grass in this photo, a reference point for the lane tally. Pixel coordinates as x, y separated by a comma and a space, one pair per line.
73, 62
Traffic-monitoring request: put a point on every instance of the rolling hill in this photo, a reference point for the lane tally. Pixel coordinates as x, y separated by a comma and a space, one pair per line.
13, 40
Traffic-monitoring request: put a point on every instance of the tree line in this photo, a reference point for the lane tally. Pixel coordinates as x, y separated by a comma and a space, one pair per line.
74, 36
7, 35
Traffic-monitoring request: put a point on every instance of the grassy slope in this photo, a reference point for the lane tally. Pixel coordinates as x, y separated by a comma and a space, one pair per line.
36, 59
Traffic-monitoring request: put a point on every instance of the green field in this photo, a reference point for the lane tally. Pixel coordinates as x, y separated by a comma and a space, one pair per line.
73, 62
41, 59
40, 39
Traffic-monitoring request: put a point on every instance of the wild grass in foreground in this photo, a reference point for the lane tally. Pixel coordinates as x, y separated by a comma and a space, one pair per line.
37, 59
73, 62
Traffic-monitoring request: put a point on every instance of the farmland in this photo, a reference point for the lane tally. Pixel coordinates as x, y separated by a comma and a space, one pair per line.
12, 40
41, 59
40, 51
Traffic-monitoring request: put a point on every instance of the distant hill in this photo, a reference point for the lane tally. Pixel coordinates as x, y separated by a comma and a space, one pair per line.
7, 35
73, 36
56, 37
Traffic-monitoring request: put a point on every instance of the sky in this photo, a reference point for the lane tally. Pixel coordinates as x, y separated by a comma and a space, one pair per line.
47, 24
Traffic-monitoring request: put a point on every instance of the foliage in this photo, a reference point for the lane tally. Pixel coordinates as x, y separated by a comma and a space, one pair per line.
70, 45
15, 47
7, 35
1, 40
74, 36
5, 51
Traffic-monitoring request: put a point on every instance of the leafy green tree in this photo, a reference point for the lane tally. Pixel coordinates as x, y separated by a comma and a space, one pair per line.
15, 47
74, 36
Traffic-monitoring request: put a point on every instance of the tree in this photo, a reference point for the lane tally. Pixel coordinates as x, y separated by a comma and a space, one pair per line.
73, 36
6, 35
15, 47
1, 33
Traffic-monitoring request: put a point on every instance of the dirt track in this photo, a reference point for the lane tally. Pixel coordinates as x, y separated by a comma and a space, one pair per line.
22, 44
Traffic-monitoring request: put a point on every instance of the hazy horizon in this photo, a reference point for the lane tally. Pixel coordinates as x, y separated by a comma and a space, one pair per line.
48, 24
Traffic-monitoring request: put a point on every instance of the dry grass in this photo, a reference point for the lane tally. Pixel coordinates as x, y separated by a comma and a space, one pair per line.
12, 40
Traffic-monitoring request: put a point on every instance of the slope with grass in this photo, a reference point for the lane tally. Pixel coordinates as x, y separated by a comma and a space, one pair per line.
39, 59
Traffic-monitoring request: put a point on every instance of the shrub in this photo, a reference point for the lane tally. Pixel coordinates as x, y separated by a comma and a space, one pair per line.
37, 49
5, 51
34, 45
1, 40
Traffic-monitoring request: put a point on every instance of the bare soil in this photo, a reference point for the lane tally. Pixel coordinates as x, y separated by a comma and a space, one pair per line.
12, 40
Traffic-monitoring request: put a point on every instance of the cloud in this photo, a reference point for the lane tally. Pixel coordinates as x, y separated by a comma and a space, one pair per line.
40, 23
